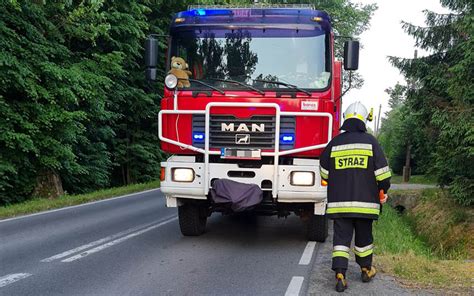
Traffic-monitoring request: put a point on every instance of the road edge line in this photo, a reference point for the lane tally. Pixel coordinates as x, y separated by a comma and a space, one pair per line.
295, 285
307, 253
77, 206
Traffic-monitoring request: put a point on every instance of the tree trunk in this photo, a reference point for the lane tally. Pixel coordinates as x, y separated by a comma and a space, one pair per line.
407, 168
128, 174
48, 185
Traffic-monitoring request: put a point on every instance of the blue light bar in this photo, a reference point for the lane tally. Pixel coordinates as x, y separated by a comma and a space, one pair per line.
248, 15
198, 137
206, 12
287, 138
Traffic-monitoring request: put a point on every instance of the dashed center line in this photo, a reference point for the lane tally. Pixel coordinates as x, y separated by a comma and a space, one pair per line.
117, 241
11, 278
295, 286
132, 232
95, 243
307, 253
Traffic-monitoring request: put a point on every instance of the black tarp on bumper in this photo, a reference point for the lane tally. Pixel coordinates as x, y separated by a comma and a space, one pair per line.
238, 196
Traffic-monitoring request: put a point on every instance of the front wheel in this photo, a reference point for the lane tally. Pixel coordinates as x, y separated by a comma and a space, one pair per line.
317, 228
192, 219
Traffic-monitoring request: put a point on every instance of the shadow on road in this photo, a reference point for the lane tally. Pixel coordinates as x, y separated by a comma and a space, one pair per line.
251, 228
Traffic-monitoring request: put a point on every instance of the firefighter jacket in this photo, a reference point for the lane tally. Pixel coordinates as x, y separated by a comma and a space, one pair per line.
356, 170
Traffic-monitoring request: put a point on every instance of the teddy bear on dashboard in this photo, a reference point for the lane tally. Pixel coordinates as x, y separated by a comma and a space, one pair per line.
179, 68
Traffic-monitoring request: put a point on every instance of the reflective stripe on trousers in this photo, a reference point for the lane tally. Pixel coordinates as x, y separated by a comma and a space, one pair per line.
364, 251
340, 251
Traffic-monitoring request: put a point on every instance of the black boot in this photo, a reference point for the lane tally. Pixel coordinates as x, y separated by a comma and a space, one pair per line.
341, 283
368, 273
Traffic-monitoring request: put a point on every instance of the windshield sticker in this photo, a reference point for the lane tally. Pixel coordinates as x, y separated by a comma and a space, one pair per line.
242, 12
308, 105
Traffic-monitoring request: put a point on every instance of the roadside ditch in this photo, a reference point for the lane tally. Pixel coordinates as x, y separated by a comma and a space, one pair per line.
425, 239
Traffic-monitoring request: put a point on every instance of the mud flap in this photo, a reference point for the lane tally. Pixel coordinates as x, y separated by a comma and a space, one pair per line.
320, 208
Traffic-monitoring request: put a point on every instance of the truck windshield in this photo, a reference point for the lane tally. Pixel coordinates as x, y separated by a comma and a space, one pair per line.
297, 57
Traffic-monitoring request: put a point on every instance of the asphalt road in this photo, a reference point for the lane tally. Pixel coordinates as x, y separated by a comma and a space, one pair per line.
132, 246
405, 186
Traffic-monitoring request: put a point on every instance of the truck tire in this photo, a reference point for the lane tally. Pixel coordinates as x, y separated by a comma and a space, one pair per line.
192, 219
317, 228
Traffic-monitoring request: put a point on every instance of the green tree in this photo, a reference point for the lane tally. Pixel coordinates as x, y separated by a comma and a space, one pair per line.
134, 147
442, 101
397, 95
47, 95
393, 130
400, 130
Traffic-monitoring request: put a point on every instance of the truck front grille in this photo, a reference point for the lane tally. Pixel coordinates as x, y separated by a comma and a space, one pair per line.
227, 130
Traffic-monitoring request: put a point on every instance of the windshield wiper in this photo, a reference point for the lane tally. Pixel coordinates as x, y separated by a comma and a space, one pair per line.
208, 85
239, 83
284, 84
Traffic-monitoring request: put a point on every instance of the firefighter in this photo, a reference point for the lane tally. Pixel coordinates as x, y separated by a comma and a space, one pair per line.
356, 170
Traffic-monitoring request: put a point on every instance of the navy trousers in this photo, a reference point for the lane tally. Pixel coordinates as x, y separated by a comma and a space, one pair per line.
344, 229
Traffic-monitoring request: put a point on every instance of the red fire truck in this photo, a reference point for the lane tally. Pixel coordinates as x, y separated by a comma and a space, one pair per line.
256, 98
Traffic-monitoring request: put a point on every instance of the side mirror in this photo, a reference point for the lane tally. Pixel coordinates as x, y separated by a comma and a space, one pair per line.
151, 58
151, 52
351, 55
151, 74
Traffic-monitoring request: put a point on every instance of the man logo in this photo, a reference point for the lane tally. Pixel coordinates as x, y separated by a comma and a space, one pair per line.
243, 127
242, 139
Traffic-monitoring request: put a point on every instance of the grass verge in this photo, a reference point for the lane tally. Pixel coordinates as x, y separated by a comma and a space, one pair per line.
402, 253
415, 179
415, 271
39, 204
446, 226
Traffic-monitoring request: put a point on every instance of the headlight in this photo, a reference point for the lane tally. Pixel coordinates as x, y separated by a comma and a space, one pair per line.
302, 178
171, 81
182, 175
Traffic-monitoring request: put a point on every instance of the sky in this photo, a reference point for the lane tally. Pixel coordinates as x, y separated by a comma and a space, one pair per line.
386, 37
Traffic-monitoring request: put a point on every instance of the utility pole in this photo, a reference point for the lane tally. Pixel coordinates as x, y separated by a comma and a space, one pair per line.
375, 126
407, 168
378, 120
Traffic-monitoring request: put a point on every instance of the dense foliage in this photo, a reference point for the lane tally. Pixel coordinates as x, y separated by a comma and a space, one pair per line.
76, 110
436, 116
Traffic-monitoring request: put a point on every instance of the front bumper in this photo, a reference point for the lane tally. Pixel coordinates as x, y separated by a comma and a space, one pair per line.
285, 193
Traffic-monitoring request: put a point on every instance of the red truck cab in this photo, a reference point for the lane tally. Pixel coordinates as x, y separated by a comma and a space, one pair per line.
260, 100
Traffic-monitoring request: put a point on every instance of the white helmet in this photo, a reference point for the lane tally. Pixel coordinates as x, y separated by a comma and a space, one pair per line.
358, 110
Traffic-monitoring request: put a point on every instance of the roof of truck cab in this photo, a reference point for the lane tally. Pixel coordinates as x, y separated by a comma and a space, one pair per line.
250, 15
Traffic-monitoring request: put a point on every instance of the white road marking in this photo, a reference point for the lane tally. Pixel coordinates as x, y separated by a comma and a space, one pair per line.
77, 206
95, 243
307, 253
117, 241
295, 286
11, 278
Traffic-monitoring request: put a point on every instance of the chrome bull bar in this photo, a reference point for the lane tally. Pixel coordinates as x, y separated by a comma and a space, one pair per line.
276, 153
